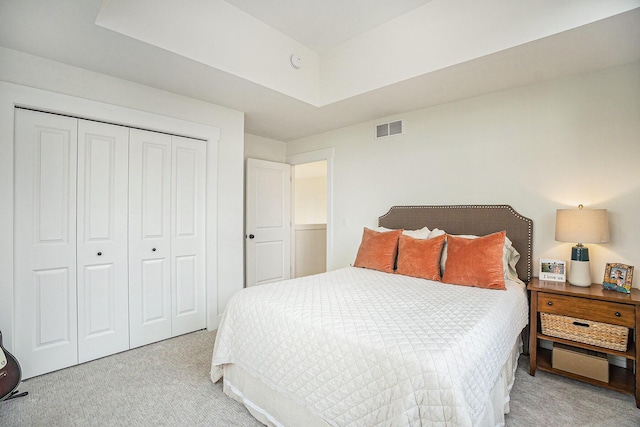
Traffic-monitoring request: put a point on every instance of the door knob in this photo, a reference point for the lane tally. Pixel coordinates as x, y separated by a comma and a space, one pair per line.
251, 236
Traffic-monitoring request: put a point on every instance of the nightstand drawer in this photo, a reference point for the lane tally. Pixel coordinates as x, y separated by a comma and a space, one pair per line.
583, 308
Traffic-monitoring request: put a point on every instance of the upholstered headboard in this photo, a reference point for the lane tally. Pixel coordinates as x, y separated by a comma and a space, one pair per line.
469, 219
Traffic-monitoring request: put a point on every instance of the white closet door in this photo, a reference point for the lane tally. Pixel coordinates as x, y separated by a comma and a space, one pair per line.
45, 242
149, 237
188, 235
103, 291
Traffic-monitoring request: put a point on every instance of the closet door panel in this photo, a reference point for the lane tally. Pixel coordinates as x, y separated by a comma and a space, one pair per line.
51, 298
45, 242
188, 235
149, 237
103, 291
154, 295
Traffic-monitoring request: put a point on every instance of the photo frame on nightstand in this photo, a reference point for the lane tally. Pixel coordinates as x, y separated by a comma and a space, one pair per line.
554, 270
618, 277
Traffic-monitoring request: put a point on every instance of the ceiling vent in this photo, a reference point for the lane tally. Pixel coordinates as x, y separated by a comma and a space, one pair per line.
389, 129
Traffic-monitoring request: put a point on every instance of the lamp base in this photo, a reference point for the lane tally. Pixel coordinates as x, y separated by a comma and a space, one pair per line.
580, 273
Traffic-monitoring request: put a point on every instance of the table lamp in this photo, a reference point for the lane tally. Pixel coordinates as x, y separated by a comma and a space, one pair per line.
581, 226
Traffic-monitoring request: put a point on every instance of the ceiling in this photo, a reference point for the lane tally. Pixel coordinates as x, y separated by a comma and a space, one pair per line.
324, 24
66, 31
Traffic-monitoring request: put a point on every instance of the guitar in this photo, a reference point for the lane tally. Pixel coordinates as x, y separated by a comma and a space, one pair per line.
10, 373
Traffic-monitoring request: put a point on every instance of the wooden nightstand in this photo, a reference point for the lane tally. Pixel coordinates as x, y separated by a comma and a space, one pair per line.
589, 303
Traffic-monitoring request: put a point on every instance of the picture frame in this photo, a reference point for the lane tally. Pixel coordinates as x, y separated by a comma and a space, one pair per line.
554, 270
618, 277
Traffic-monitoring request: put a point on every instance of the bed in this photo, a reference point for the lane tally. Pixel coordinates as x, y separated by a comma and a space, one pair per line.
364, 347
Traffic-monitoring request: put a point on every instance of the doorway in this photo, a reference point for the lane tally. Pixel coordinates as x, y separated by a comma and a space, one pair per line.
310, 218
324, 160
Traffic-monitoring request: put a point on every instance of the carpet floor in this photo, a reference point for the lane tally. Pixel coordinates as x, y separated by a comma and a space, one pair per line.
167, 384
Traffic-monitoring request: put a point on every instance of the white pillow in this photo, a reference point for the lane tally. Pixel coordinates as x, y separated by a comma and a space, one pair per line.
510, 255
436, 232
423, 233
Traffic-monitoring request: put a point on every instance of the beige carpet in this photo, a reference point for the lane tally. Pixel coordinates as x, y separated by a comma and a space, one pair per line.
167, 383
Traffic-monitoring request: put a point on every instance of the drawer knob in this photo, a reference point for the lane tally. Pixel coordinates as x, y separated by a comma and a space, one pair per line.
550, 303
618, 314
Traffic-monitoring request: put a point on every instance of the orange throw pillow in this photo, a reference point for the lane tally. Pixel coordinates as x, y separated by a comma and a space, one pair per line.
378, 250
475, 262
420, 257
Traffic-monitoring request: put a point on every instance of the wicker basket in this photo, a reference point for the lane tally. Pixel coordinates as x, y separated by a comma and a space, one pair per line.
585, 331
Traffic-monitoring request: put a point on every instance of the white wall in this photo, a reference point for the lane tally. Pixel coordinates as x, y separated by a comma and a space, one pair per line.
310, 200
87, 87
310, 249
537, 148
258, 147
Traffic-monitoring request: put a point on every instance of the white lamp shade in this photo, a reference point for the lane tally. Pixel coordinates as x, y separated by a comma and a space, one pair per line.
582, 225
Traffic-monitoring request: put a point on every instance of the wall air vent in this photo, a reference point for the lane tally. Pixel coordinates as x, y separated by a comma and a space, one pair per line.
389, 129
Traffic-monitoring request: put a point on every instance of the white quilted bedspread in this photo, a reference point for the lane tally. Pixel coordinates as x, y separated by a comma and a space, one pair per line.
364, 348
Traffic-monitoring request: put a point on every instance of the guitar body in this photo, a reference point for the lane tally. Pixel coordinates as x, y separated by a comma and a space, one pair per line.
10, 372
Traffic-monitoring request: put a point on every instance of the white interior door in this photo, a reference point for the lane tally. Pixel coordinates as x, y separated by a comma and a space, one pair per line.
188, 180
268, 222
103, 283
45, 242
149, 237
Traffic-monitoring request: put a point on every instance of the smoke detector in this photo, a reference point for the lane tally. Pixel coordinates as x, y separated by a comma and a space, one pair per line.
296, 61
